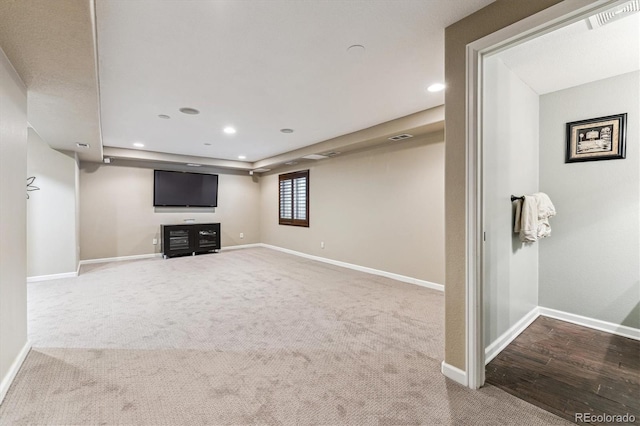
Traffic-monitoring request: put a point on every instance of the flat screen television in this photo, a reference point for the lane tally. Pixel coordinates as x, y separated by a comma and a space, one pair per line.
182, 189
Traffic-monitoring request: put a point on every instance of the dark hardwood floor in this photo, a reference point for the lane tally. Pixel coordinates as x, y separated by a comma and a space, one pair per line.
567, 369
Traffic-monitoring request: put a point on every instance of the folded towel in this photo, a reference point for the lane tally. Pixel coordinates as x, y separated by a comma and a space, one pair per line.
529, 220
532, 219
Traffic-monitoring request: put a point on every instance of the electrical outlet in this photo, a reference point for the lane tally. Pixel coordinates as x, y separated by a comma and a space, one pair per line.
155, 241
241, 235
321, 244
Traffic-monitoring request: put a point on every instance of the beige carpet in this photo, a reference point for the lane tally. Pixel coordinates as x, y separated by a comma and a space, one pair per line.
249, 336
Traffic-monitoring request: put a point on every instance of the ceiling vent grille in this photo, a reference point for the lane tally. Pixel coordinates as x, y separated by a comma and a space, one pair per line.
330, 153
608, 16
400, 137
314, 157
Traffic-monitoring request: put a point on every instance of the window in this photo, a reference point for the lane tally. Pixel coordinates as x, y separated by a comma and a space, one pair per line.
294, 198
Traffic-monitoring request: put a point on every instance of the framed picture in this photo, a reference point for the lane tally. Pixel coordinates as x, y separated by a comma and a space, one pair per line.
600, 138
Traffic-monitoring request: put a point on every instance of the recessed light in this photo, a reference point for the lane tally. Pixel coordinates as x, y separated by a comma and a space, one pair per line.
189, 111
193, 165
82, 145
436, 87
229, 130
242, 157
164, 116
286, 130
138, 144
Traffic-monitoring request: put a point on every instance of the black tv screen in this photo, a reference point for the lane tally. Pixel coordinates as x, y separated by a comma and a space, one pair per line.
181, 189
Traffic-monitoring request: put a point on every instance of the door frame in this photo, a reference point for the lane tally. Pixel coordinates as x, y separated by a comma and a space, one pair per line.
550, 19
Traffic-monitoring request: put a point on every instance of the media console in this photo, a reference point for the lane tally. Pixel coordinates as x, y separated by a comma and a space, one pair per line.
190, 239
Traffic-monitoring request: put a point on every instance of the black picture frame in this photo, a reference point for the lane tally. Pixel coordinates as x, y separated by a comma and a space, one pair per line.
602, 138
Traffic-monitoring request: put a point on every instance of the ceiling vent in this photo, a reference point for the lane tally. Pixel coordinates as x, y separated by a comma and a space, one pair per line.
291, 163
315, 157
330, 154
400, 137
260, 170
608, 16
82, 145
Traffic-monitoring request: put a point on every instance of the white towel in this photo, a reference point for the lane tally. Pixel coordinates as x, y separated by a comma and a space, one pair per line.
534, 217
546, 209
529, 220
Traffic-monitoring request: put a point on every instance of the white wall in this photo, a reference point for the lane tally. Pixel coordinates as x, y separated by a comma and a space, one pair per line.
510, 144
590, 265
13, 166
382, 208
117, 217
51, 211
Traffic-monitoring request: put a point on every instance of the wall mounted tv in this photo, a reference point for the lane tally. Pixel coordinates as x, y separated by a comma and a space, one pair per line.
182, 189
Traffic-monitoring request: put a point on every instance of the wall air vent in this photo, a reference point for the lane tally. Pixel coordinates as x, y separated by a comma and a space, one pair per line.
82, 145
400, 137
613, 14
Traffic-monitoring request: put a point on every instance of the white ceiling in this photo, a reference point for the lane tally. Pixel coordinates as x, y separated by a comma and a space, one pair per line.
261, 66
575, 55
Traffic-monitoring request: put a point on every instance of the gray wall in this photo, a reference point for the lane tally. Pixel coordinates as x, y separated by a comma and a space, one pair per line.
51, 211
381, 208
13, 214
117, 217
590, 265
510, 147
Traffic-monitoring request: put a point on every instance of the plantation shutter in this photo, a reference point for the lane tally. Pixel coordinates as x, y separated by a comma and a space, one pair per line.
294, 198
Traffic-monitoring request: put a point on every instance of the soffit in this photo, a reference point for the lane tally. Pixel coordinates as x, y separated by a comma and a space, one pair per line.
50, 44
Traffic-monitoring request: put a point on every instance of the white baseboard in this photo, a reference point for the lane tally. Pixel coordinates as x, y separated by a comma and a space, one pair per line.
153, 255
608, 327
120, 258
508, 336
368, 270
454, 373
52, 277
13, 370
241, 246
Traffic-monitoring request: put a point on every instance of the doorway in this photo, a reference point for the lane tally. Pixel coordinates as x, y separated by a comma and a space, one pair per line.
508, 159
